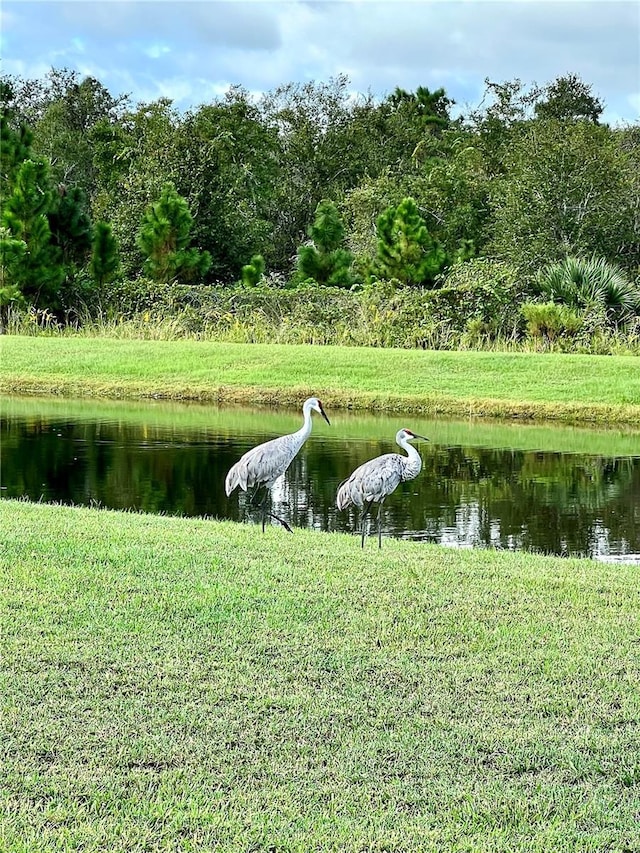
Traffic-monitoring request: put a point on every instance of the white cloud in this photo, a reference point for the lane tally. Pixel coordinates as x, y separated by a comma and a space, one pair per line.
634, 102
195, 50
155, 51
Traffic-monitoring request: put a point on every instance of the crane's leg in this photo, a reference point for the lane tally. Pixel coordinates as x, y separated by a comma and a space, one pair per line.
282, 522
365, 512
267, 512
263, 503
254, 495
380, 524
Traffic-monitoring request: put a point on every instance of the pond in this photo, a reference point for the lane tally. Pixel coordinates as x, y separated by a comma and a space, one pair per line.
565, 491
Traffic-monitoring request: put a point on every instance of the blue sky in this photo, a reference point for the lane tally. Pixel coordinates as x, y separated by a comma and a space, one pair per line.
193, 51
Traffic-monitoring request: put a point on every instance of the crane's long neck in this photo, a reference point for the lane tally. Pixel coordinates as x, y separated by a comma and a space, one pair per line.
413, 463
305, 430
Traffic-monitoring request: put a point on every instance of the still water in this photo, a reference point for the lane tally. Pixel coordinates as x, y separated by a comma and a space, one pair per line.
565, 491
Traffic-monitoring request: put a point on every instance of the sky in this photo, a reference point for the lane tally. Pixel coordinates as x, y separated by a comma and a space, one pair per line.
192, 51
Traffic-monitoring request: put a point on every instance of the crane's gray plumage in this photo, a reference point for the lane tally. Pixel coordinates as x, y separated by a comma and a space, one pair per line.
377, 478
264, 464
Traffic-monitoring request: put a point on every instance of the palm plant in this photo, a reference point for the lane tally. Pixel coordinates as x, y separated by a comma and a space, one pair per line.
591, 284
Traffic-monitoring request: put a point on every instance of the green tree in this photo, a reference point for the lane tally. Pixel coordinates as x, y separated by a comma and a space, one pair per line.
362, 206
325, 260
39, 274
568, 98
325, 145
64, 114
454, 191
426, 109
12, 254
86, 98
568, 188
405, 249
498, 121
16, 139
227, 166
53, 225
403, 130
105, 258
70, 224
135, 159
164, 237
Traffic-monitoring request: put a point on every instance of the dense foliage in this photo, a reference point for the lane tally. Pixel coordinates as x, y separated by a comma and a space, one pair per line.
107, 204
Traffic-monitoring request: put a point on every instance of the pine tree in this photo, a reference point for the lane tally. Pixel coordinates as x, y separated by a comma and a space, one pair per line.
429, 110
105, 258
325, 260
164, 236
15, 141
406, 251
70, 224
39, 273
12, 253
33, 253
253, 271
15, 148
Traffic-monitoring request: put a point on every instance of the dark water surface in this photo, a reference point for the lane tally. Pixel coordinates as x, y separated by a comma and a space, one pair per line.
565, 491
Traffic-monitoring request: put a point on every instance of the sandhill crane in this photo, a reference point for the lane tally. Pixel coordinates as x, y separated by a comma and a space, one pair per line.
377, 478
264, 464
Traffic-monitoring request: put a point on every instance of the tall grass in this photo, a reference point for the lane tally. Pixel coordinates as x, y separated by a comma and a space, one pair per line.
381, 316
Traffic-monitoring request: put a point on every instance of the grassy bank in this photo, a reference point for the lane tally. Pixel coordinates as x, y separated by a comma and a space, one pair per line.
597, 389
162, 418
173, 684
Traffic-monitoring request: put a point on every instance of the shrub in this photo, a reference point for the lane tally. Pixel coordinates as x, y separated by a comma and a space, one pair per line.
480, 293
253, 272
549, 321
382, 314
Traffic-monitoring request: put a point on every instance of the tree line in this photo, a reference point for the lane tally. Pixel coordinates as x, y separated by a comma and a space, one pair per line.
310, 185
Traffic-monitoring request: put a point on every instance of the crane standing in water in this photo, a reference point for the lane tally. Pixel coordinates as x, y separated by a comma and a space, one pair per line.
264, 464
377, 478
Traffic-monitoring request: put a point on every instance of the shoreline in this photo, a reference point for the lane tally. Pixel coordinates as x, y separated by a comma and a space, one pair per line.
572, 413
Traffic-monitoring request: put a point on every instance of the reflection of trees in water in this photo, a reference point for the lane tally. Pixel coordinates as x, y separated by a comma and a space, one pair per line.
560, 503
547, 501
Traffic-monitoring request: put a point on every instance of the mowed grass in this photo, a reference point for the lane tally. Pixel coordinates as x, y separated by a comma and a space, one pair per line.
603, 389
179, 684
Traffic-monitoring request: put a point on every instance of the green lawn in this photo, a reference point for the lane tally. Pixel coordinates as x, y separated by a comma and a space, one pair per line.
175, 684
560, 387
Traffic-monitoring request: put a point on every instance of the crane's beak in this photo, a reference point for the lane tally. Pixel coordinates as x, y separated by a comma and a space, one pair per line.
324, 415
422, 437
